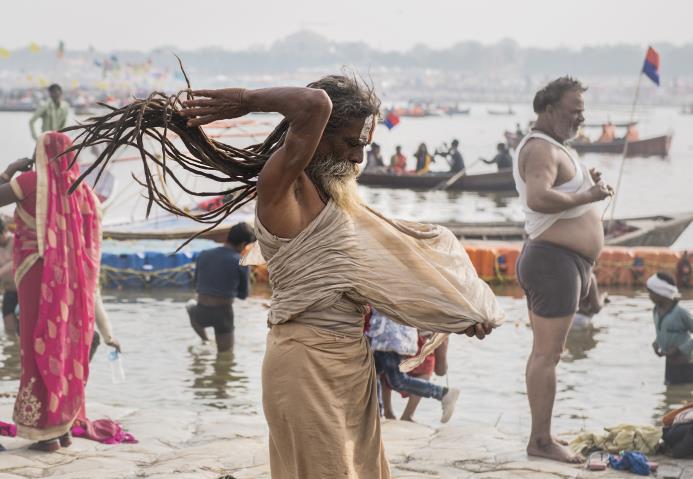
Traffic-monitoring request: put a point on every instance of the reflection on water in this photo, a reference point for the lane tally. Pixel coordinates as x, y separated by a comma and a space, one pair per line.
216, 376
579, 343
673, 397
9, 358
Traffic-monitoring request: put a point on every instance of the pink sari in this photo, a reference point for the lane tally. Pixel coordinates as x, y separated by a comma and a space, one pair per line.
57, 256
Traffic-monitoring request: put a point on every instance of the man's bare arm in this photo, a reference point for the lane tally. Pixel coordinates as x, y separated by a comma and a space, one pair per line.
540, 172
306, 109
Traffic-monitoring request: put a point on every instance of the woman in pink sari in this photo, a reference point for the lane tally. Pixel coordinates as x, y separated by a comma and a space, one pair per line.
56, 260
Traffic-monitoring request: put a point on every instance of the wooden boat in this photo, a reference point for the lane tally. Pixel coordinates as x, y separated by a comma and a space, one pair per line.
508, 112
499, 181
639, 231
655, 146
168, 226
453, 110
14, 107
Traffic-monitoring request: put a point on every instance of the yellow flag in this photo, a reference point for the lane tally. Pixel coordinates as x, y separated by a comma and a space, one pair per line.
34, 47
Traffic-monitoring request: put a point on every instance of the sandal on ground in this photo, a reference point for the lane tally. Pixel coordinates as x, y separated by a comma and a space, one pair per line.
597, 461
65, 440
51, 445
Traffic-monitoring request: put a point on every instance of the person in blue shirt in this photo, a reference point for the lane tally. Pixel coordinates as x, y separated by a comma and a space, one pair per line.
673, 326
219, 278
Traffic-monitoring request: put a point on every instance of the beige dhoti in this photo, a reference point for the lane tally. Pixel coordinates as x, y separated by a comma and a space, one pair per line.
318, 377
320, 400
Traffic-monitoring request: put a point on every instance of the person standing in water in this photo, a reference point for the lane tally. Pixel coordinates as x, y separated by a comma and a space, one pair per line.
673, 326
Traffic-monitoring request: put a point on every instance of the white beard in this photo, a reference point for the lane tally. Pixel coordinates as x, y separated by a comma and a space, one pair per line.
337, 179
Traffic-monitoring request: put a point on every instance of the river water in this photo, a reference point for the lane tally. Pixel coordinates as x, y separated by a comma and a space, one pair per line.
608, 375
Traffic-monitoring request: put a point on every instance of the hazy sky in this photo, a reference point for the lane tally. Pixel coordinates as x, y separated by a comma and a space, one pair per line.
384, 24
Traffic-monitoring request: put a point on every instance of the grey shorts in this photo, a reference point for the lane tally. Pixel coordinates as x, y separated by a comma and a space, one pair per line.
554, 278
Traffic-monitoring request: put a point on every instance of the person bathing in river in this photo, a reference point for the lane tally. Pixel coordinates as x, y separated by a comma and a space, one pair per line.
219, 279
673, 327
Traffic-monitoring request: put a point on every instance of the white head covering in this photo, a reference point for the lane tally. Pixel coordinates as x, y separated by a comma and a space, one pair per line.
662, 288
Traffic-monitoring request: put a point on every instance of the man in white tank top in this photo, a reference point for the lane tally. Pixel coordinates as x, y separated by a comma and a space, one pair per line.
565, 237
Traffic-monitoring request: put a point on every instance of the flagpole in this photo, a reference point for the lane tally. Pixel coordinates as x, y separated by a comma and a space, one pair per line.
625, 153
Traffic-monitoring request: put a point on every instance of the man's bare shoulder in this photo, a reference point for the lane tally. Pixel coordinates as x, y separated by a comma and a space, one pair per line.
537, 151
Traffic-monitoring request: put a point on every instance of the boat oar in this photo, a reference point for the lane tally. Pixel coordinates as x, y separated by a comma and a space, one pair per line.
445, 184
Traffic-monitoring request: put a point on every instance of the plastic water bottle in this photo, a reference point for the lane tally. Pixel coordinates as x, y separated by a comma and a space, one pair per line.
117, 371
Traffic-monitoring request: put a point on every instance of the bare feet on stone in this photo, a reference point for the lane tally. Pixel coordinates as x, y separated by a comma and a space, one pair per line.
389, 415
554, 451
560, 441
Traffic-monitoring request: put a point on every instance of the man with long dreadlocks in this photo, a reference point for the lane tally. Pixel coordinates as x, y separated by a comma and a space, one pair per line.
328, 257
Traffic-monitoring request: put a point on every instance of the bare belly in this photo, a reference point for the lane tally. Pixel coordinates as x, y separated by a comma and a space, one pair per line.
584, 234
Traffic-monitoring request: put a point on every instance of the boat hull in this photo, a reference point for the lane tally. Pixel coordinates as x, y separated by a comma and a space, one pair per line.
656, 146
662, 231
499, 181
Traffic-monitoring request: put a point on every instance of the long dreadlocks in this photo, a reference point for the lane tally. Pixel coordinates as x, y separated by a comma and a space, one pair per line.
238, 168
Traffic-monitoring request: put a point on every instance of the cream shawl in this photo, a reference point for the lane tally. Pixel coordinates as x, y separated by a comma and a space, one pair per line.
416, 274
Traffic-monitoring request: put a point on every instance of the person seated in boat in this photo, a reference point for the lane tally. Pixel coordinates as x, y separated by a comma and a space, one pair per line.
518, 131
374, 159
503, 159
219, 278
423, 159
398, 162
589, 306
454, 157
608, 133
673, 327
581, 136
632, 133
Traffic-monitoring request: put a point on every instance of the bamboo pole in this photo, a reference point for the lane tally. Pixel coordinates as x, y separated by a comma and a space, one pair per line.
625, 153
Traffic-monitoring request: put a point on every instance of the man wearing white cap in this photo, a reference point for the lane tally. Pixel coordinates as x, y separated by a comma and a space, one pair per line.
673, 326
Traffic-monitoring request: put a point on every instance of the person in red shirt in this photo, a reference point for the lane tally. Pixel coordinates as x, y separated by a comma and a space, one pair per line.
398, 162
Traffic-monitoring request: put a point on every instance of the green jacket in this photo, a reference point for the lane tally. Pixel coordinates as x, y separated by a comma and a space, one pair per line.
53, 118
674, 330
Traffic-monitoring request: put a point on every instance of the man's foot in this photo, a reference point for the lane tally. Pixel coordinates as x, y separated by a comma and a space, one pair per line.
407, 418
389, 415
553, 451
560, 441
51, 445
448, 402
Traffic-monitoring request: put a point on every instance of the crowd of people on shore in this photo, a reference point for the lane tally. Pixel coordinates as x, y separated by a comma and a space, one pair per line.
351, 340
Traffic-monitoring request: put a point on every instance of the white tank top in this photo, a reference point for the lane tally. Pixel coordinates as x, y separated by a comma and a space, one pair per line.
536, 223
